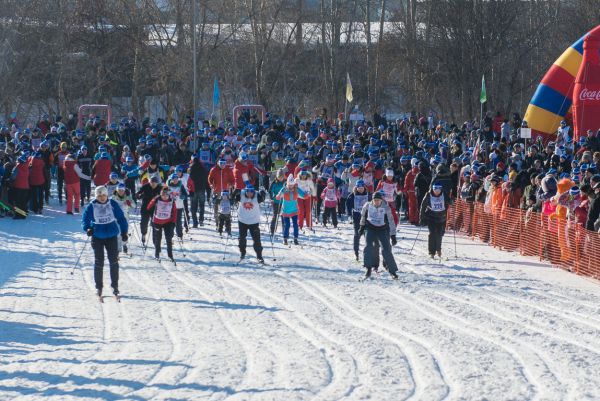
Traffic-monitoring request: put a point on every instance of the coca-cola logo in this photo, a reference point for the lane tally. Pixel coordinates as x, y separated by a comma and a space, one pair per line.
587, 94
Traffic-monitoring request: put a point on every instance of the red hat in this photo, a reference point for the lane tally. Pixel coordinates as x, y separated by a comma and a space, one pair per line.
501, 166
330, 181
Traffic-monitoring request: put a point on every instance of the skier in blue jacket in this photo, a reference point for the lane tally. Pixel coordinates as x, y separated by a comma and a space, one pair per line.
103, 220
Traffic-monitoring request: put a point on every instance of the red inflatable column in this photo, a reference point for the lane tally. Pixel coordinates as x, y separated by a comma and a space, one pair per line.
586, 93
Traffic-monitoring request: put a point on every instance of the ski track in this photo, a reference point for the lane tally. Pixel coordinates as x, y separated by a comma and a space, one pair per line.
414, 357
300, 329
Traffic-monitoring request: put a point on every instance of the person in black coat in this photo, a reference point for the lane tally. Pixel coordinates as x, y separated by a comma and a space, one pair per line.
434, 213
146, 193
443, 178
422, 181
594, 210
199, 177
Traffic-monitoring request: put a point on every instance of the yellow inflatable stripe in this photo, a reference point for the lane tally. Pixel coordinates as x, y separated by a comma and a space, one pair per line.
570, 61
542, 120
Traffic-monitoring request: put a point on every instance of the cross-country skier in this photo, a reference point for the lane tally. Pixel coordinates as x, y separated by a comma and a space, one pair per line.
146, 193
355, 202
289, 196
433, 213
102, 220
377, 222
164, 216
249, 219
123, 197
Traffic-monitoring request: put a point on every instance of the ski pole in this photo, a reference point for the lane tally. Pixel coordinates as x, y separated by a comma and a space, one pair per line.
274, 232
226, 243
455, 217
416, 238
180, 241
80, 254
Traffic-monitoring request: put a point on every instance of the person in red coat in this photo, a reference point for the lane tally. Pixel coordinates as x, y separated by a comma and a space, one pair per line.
243, 170
72, 175
164, 218
37, 181
411, 196
102, 169
220, 178
20, 185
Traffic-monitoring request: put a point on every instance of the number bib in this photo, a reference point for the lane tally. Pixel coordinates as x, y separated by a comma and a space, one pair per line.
437, 203
163, 210
376, 215
103, 213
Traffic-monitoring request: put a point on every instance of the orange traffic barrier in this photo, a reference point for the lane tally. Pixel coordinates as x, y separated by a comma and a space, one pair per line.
562, 242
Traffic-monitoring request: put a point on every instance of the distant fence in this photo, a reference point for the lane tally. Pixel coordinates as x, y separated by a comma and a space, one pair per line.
561, 242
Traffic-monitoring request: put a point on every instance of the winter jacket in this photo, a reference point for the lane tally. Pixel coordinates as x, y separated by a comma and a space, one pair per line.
146, 193
243, 174
163, 212
199, 176
220, 179
101, 171
36, 171
377, 218
356, 201
72, 171
274, 189
289, 201
330, 196
106, 219
593, 213
248, 208
20, 176
307, 186
434, 209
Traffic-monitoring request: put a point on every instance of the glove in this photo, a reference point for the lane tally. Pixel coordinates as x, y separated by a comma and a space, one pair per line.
124, 237
361, 231
90, 231
394, 241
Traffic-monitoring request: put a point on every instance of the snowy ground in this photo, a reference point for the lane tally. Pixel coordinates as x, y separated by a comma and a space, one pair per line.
488, 325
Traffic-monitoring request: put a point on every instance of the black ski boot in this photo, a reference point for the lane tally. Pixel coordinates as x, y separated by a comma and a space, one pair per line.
285, 241
296, 241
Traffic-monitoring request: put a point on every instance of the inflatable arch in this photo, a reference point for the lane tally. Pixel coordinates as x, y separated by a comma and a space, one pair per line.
554, 95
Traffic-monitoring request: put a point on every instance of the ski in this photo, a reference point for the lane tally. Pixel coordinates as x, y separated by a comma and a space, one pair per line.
118, 298
173, 261
100, 299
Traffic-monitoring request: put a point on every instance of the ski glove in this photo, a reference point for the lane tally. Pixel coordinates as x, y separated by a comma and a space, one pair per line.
361, 231
90, 231
394, 241
124, 237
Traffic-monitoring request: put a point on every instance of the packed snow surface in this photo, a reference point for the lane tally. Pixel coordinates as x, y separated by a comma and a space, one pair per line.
486, 325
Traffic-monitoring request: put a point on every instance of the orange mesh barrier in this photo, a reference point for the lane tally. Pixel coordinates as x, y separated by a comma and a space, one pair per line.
561, 242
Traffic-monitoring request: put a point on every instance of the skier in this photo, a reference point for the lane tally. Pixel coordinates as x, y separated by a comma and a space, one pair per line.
433, 213
331, 197
306, 184
164, 216
289, 196
102, 220
249, 219
122, 196
146, 193
355, 202
178, 193
72, 179
377, 222
224, 214
276, 186
220, 178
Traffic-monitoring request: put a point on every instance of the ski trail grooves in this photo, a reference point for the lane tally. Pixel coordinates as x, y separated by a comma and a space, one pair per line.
541, 376
343, 376
426, 382
248, 354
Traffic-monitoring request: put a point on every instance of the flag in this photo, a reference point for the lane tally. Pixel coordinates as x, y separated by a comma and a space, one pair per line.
483, 95
349, 96
216, 93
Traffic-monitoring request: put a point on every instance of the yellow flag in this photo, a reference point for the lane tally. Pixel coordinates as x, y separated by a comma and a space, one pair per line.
349, 97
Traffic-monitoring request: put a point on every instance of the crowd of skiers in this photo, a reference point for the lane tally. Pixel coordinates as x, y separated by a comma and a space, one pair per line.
312, 172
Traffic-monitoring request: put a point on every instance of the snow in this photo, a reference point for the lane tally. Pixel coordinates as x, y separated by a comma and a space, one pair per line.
488, 325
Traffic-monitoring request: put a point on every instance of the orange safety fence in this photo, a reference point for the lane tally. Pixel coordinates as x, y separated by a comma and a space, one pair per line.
560, 241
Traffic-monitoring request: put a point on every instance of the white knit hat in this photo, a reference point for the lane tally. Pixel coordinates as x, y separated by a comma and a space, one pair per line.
389, 173
290, 180
101, 190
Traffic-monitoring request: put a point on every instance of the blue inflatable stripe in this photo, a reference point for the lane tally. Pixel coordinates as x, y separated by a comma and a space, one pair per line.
579, 44
548, 99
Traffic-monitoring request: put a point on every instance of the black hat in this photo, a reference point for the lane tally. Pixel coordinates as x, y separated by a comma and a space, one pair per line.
378, 195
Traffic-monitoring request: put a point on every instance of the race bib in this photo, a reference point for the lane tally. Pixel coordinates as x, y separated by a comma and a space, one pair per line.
437, 203
103, 213
376, 216
163, 210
